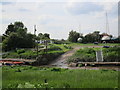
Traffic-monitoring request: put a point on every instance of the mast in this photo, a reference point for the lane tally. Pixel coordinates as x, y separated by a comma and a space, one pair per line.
107, 25
80, 28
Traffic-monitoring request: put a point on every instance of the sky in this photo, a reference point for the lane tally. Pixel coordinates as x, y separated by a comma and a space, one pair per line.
58, 18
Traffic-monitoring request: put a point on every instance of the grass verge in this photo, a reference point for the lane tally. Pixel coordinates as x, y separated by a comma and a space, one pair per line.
38, 77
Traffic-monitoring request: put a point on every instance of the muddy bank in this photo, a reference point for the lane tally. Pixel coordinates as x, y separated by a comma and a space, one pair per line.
117, 68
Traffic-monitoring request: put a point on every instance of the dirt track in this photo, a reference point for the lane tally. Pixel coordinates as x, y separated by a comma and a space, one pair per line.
61, 61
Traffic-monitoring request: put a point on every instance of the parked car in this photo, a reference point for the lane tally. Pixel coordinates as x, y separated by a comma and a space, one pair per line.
106, 46
96, 43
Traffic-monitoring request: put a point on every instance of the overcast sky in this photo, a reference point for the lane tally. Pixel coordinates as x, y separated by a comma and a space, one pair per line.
59, 17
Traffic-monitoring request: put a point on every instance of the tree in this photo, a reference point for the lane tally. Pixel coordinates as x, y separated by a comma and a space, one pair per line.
22, 32
10, 42
43, 36
96, 35
30, 40
73, 36
10, 29
46, 36
16, 36
40, 36
92, 37
17, 27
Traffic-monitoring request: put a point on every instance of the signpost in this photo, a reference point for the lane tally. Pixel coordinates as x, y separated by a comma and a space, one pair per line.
99, 56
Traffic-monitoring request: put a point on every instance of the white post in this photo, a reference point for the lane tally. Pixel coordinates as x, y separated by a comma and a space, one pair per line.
99, 56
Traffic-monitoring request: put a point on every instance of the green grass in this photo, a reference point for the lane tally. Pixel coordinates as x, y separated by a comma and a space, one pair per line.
30, 77
89, 55
91, 44
30, 54
0, 77
65, 48
83, 55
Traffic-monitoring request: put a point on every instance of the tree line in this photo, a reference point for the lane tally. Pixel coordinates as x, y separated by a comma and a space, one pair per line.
16, 36
88, 38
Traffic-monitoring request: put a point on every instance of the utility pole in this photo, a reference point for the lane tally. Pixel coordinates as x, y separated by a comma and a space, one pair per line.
36, 39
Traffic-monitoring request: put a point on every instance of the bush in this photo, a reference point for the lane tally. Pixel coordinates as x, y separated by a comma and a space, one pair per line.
52, 48
66, 85
83, 55
67, 47
21, 51
56, 69
88, 55
28, 55
58, 41
11, 55
111, 54
80, 65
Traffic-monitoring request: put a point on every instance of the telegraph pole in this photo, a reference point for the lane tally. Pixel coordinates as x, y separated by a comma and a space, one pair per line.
36, 39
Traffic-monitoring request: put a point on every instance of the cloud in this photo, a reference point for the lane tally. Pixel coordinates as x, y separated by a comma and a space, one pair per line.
7, 3
3, 10
23, 10
26, 6
45, 19
110, 7
53, 18
77, 8
21, 6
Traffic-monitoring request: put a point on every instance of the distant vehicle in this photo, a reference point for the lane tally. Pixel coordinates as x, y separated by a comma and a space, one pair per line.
96, 43
106, 46
85, 43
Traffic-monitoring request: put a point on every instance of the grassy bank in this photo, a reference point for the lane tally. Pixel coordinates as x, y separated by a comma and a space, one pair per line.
35, 77
52, 48
31, 53
89, 55
91, 44
45, 56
